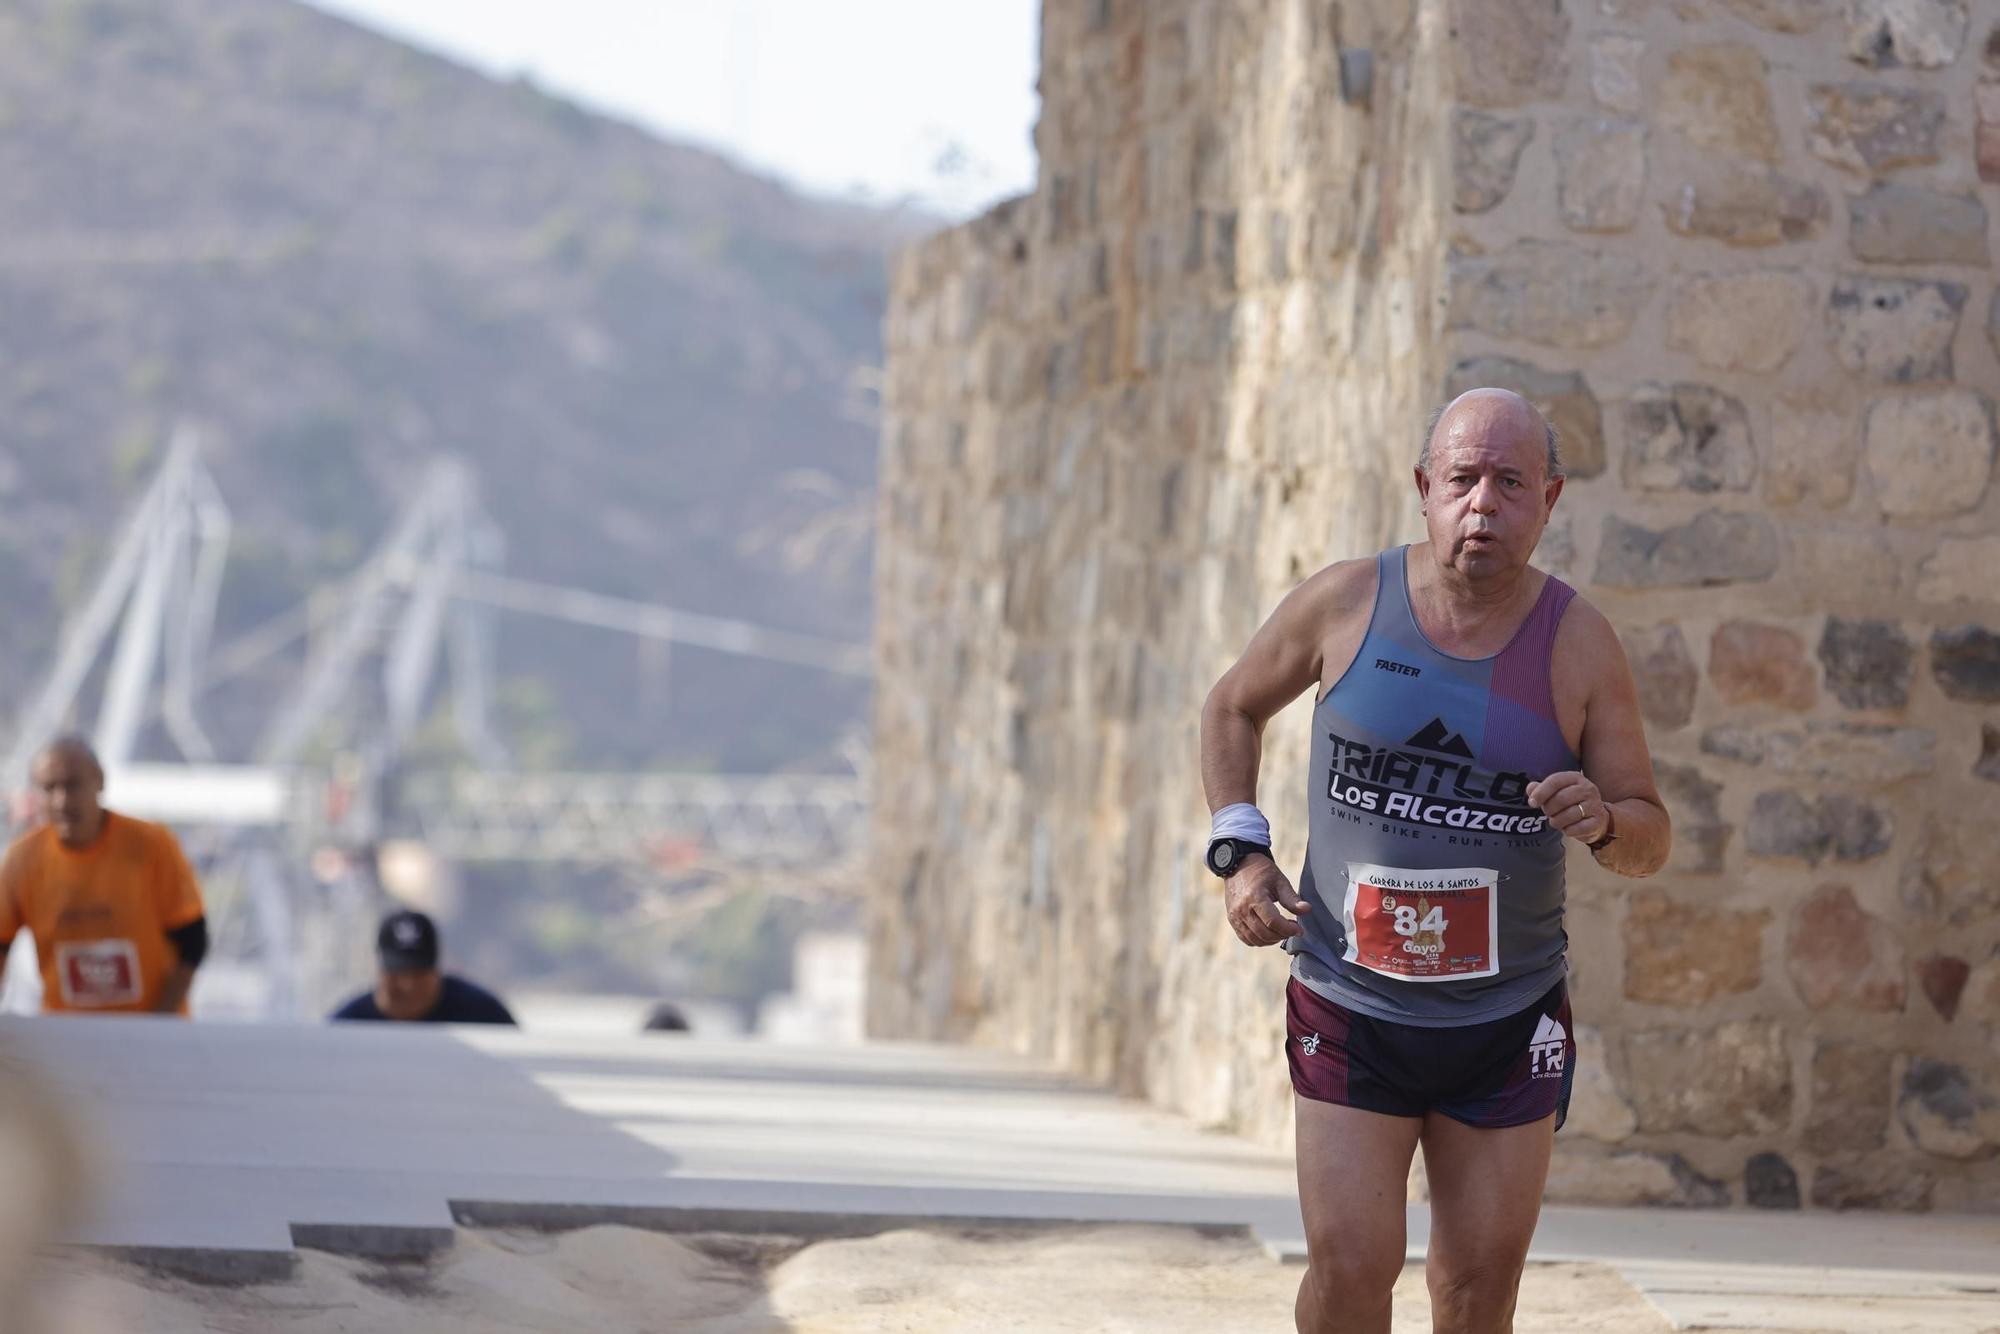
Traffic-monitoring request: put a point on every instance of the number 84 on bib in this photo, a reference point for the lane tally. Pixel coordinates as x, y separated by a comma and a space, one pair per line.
1430, 925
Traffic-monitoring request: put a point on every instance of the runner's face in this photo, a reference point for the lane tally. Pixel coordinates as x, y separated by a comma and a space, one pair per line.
1487, 494
408, 995
69, 787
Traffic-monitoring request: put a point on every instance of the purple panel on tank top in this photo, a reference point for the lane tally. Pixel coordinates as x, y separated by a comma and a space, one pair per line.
1520, 710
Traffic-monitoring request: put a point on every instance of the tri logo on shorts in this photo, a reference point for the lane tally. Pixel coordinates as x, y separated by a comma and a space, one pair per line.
1309, 1044
1545, 1049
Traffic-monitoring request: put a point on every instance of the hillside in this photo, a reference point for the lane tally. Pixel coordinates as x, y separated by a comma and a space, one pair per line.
341, 256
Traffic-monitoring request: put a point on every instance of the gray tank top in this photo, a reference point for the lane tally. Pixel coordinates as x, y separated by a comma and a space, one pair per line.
1437, 890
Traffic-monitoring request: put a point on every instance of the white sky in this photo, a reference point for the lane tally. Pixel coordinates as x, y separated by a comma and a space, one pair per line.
932, 101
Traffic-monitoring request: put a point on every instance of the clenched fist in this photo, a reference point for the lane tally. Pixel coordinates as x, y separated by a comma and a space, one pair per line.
1573, 805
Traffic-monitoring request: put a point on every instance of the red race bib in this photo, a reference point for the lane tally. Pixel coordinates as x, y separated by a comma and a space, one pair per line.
1423, 926
98, 972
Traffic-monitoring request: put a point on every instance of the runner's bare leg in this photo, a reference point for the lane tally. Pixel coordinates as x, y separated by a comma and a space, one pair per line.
1486, 1193
1354, 1168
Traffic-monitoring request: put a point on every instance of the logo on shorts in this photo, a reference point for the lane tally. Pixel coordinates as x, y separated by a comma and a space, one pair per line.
1309, 1044
1545, 1049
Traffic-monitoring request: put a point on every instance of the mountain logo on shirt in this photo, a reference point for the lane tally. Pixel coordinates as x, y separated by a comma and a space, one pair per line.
1434, 735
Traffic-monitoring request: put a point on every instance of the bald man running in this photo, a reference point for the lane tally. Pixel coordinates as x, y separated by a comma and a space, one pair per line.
115, 909
1472, 713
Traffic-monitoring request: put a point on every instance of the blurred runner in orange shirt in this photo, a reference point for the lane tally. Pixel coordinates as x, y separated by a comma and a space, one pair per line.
112, 902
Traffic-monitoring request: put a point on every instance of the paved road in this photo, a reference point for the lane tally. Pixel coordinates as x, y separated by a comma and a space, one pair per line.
232, 1144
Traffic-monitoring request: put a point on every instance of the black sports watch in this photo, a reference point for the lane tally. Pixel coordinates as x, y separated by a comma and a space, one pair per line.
1610, 834
1227, 855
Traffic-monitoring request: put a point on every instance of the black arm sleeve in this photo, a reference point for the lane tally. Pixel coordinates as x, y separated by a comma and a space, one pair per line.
191, 941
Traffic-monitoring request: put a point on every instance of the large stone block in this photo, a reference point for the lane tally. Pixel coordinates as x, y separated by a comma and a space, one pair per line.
1596, 1108
1631, 1178
1876, 1184
1874, 127
1687, 437
1714, 547
1787, 824
1851, 1095
1966, 662
1861, 829
1600, 173
1719, 97
1858, 753
1752, 663
1983, 989
1867, 663
1548, 293
1951, 879
1770, 1183
1507, 52
1564, 397
1701, 836
1663, 672
1685, 954
1740, 744
1789, 16
1486, 151
1930, 454
1923, 34
1943, 978
1725, 1079
1895, 330
1742, 203
1895, 223
1841, 955
1949, 1110
1615, 80
1986, 130
1815, 444
1741, 321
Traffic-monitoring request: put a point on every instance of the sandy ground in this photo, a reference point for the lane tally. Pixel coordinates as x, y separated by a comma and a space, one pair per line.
609, 1280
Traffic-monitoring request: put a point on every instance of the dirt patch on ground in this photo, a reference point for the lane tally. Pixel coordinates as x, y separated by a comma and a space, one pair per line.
610, 1280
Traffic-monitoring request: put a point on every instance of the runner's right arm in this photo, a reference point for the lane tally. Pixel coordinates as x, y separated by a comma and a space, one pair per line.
11, 921
1284, 659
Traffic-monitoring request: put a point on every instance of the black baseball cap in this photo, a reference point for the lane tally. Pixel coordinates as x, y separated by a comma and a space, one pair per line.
407, 943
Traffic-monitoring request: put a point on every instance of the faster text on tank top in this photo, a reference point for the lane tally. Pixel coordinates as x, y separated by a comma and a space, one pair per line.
1437, 890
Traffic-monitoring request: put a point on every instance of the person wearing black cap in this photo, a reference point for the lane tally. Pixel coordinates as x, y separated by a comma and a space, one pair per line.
410, 989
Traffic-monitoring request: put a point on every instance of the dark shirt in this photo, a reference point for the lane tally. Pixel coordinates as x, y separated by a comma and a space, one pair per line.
459, 1002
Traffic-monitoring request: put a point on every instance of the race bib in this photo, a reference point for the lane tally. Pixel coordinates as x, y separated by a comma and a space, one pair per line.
1423, 926
96, 973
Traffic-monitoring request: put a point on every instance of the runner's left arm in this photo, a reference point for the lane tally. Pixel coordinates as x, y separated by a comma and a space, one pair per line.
1614, 792
11, 920
186, 924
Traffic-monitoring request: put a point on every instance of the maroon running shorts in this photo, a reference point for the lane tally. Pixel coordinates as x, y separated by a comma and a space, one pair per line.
1505, 1072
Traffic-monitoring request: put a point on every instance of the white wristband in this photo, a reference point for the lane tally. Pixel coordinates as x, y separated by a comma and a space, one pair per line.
1241, 820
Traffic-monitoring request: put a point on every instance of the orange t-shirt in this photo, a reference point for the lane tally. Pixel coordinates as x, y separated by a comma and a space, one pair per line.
100, 914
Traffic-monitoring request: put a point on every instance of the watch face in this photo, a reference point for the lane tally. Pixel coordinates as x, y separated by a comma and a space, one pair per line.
1222, 856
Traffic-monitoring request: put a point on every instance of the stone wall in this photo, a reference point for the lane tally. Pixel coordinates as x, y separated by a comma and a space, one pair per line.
1740, 252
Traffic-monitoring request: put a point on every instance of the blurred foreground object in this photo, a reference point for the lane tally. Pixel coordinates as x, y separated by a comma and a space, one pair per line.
41, 1162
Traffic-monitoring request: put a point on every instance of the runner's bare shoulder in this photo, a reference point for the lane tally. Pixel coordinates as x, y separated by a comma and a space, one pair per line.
1337, 591
1587, 655
1341, 601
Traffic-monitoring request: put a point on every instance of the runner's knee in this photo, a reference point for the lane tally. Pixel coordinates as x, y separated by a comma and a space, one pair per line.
1344, 1267
1471, 1296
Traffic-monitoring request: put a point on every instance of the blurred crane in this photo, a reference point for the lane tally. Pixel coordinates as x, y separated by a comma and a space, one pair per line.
328, 771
